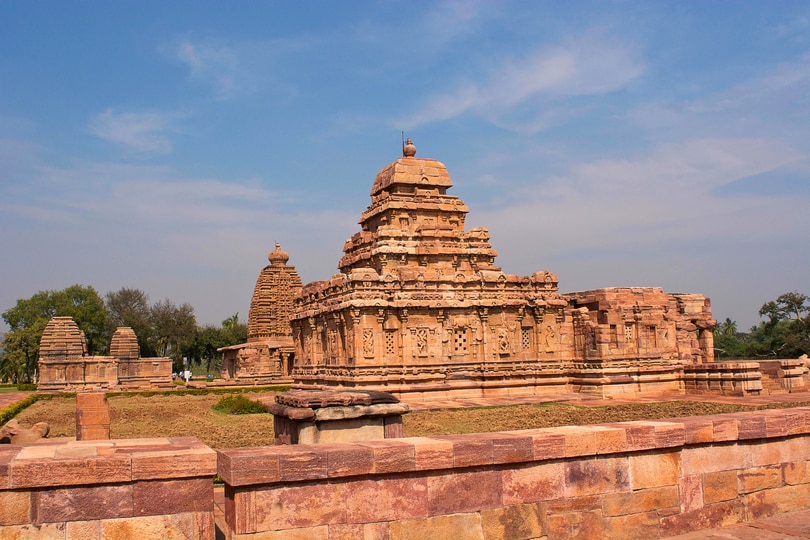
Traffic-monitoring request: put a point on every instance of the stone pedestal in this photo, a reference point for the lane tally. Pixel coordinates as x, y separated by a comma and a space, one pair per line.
309, 417
92, 416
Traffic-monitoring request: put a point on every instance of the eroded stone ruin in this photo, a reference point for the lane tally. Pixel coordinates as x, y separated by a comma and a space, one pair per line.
64, 364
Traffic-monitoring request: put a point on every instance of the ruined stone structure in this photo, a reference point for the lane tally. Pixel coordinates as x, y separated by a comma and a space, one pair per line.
65, 365
420, 308
268, 354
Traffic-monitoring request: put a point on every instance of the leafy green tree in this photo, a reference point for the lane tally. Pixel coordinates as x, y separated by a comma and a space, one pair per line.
27, 320
209, 338
786, 333
728, 342
173, 329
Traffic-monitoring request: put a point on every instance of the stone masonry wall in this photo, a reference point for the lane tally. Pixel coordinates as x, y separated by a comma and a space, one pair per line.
644, 479
126, 488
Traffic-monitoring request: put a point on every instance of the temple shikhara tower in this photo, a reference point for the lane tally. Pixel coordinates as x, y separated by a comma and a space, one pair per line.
268, 354
420, 308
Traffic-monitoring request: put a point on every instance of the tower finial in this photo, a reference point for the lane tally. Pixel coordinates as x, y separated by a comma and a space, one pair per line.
409, 150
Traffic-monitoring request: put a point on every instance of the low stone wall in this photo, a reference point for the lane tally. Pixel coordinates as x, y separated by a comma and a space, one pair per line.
645, 479
126, 488
723, 378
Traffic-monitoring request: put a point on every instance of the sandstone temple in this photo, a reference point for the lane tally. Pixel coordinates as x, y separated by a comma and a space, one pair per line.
268, 354
420, 308
64, 364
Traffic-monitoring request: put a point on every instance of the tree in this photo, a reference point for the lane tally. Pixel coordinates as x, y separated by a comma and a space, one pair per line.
788, 306
173, 329
786, 333
130, 307
210, 338
27, 320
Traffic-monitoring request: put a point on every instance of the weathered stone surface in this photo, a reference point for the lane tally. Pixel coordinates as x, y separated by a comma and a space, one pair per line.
14, 433
464, 492
516, 522
457, 526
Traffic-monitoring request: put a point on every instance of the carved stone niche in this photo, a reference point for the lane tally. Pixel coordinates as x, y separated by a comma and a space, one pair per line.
323, 416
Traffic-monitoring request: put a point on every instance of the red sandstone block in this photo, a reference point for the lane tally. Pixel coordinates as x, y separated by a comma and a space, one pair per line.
669, 434
588, 525
719, 457
240, 509
391, 456
467, 526
750, 426
15, 507
596, 476
644, 500
171, 526
469, 491
698, 429
759, 478
632, 527
7, 454
509, 448
344, 531
573, 504
638, 435
431, 454
471, 450
70, 472
777, 501
188, 463
387, 499
83, 530
725, 427
84, 503
654, 469
797, 421
533, 482
797, 472
516, 521
348, 460
719, 486
548, 443
247, 466
299, 506
301, 462
691, 492
172, 497
579, 441
775, 423
714, 515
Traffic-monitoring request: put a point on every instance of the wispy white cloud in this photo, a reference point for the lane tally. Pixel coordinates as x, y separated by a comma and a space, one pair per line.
591, 64
137, 132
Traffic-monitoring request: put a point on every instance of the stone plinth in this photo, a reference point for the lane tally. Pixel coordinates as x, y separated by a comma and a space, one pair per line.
302, 417
92, 416
726, 378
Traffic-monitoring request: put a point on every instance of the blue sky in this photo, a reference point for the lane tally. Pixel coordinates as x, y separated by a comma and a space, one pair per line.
167, 145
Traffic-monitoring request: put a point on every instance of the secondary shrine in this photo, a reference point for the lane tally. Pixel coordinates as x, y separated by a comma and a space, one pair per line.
420, 308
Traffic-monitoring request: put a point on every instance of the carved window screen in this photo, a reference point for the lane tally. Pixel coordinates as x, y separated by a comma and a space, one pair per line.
390, 341
460, 341
526, 338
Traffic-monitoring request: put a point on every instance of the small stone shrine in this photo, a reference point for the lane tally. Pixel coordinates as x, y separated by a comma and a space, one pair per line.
64, 364
267, 357
419, 308
310, 417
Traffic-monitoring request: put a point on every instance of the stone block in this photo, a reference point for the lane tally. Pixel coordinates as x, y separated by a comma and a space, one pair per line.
777, 500
431, 454
632, 527
697, 430
709, 516
759, 478
548, 443
507, 448
691, 492
15, 507
519, 521
533, 482
391, 456
654, 469
302, 462
84, 503
589, 525
719, 486
725, 427
387, 499
797, 472
83, 530
45, 531
468, 491
348, 460
703, 459
596, 476
150, 527
750, 426
45, 472
172, 497
638, 435
173, 463
248, 466
299, 506
471, 450
457, 526
7, 454
565, 505
641, 501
